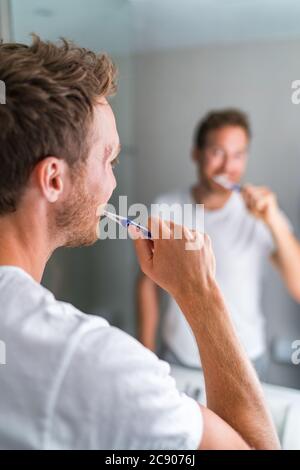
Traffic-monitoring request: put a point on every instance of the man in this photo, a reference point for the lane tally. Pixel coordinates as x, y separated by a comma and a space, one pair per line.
246, 229
72, 381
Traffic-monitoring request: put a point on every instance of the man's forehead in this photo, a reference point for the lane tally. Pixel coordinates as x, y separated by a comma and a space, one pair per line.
105, 130
102, 110
230, 134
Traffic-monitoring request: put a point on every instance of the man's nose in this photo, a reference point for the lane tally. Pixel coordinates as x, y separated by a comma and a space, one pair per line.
225, 165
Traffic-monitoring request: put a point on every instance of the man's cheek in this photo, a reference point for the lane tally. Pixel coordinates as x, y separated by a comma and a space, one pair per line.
239, 171
107, 189
212, 166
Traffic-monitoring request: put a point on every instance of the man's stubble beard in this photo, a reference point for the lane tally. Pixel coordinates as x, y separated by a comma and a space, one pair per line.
76, 219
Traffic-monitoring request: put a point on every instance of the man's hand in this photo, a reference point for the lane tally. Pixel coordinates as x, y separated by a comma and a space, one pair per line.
177, 265
232, 389
261, 203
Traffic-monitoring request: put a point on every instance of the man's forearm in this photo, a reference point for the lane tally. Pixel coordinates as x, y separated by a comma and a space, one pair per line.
233, 390
148, 312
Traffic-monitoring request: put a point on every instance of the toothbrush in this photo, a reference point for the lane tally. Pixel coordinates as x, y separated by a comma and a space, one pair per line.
125, 222
225, 183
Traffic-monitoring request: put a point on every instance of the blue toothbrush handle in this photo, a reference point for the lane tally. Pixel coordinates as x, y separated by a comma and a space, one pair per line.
144, 230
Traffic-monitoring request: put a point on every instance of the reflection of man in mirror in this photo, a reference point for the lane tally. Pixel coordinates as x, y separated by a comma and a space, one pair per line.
246, 227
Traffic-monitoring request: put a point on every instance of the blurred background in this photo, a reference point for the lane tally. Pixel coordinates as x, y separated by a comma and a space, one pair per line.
178, 59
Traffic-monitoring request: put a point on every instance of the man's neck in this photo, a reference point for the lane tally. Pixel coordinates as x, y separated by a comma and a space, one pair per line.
210, 198
22, 244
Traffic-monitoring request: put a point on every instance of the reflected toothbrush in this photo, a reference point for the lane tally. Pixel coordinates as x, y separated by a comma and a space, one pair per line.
223, 181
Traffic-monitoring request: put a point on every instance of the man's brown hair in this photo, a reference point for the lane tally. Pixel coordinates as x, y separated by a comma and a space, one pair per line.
51, 90
215, 120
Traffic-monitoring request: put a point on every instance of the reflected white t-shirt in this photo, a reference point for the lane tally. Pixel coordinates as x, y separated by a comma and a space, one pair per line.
73, 382
241, 245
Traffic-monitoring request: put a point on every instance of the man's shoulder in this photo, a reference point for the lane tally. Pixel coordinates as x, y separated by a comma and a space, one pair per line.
112, 349
25, 301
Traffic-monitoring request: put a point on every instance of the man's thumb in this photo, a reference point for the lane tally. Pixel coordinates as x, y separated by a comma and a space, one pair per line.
143, 248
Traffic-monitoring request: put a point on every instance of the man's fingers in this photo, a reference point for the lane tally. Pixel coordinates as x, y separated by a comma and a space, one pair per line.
143, 247
159, 228
177, 231
262, 203
255, 192
256, 198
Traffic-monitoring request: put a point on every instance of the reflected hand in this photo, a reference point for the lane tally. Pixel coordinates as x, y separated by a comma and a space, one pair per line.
261, 203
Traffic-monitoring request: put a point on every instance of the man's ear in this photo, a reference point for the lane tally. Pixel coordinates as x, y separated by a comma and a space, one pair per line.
50, 175
196, 155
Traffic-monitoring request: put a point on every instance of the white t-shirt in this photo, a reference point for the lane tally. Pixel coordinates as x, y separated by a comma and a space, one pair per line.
241, 245
73, 382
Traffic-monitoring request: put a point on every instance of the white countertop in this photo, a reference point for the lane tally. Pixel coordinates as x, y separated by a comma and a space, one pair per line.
284, 403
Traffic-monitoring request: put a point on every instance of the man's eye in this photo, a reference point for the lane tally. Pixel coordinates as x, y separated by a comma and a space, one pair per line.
217, 152
115, 162
240, 155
